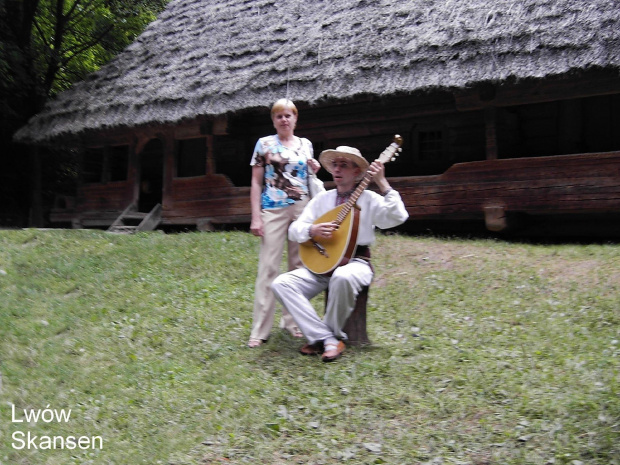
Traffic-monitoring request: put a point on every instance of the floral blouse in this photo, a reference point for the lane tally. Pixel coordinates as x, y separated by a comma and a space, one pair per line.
286, 171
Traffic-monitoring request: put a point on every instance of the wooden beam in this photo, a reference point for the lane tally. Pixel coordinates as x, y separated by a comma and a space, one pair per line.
538, 91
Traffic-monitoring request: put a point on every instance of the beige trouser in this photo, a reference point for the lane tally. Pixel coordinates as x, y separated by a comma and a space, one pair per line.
275, 228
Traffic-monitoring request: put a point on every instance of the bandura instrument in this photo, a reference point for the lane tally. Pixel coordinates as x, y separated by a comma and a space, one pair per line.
322, 256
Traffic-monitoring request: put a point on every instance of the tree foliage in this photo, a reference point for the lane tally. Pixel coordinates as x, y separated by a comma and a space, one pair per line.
52, 43
45, 46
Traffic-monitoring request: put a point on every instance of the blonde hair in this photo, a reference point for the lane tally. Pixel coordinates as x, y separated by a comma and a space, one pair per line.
283, 104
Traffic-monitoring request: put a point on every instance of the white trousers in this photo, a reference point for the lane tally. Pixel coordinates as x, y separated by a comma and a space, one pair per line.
275, 227
295, 289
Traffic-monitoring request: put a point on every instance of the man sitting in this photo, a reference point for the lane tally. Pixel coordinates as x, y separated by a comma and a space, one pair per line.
295, 288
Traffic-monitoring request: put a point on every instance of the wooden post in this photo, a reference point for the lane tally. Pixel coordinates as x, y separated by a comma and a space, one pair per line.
490, 122
495, 218
169, 167
210, 155
355, 327
133, 174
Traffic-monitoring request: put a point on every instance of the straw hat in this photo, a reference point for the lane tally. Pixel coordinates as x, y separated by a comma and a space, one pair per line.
350, 153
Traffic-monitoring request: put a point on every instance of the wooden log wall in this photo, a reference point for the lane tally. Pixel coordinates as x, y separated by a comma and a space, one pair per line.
568, 184
211, 198
105, 196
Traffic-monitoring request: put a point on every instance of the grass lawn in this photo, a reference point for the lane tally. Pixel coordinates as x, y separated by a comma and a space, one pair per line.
484, 352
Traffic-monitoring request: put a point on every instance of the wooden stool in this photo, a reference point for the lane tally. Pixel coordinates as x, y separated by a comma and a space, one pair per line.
355, 327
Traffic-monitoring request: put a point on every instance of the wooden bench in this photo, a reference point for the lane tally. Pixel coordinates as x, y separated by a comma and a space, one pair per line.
355, 327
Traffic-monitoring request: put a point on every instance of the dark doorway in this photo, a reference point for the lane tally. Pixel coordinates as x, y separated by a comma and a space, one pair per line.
151, 175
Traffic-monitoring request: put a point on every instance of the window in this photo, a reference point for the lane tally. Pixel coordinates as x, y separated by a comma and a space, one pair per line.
191, 157
104, 164
430, 145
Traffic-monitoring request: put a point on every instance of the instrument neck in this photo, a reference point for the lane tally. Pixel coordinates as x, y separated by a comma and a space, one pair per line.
349, 204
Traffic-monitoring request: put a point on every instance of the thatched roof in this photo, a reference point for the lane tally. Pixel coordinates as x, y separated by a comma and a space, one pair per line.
208, 57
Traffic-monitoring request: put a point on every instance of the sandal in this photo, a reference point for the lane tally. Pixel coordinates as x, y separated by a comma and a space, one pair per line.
254, 343
296, 332
333, 351
312, 349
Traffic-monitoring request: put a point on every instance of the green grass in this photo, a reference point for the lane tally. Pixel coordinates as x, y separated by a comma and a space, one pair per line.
484, 352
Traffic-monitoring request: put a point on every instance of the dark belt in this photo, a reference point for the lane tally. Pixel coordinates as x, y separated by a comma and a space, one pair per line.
362, 251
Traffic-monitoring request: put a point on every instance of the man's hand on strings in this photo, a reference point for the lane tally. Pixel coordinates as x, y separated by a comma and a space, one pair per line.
323, 230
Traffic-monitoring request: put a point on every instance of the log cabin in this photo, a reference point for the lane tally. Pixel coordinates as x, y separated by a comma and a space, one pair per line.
509, 110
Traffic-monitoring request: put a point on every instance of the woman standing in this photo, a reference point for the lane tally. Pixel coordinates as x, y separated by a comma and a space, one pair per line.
278, 194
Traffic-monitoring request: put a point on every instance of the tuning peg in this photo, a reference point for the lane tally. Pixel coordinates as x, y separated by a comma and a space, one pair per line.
393, 159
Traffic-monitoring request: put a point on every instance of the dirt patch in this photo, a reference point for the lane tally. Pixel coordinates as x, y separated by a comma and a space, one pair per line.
394, 256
